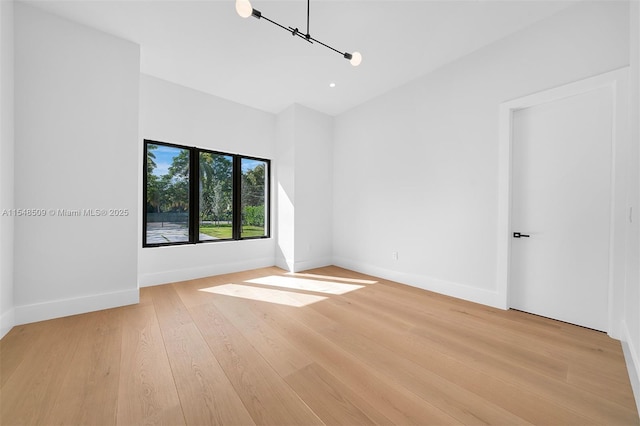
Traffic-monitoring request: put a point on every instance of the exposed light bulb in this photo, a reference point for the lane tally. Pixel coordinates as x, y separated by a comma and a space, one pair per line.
244, 8
356, 59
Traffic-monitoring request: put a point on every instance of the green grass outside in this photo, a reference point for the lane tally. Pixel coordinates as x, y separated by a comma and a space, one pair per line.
223, 231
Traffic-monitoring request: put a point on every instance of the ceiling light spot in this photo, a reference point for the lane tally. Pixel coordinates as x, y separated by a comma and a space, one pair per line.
332, 85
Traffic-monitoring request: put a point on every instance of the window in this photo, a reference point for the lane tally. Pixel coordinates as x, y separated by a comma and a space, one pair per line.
167, 194
253, 197
216, 196
193, 195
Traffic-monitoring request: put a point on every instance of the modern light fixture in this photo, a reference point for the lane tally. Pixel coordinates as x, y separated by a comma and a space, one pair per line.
244, 9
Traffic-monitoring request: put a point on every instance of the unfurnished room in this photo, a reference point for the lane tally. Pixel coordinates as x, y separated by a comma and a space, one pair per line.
319, 212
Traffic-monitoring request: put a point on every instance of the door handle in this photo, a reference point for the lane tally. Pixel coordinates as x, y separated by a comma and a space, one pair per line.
519, 235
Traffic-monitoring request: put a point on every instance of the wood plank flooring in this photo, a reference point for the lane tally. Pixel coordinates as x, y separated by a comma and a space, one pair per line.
328, 346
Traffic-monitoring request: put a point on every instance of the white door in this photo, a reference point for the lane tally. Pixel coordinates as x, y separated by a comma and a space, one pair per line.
561, 198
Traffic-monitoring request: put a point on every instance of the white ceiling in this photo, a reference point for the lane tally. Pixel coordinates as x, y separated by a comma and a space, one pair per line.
206, 46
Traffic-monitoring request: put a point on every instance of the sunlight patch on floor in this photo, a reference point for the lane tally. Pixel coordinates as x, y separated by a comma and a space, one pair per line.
305, 284
330, 277
261, 294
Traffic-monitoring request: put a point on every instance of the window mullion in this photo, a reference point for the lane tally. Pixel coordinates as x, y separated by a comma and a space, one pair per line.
194, 196
237, 200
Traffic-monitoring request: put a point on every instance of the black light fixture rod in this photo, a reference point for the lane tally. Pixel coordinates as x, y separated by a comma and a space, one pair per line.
296, 32
308, 19
306, 37
293, 31
326, 45
275, 23
244, 9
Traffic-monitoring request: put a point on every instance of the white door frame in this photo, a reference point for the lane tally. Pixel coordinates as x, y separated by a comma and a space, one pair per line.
617, 82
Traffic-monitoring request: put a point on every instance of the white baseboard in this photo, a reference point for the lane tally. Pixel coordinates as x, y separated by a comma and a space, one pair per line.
291, 266
632, 361
286, 264
7, 321
311, 264
78, 305
177, 275
448, 288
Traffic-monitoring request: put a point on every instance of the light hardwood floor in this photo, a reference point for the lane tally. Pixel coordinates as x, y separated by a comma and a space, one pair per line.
328, 346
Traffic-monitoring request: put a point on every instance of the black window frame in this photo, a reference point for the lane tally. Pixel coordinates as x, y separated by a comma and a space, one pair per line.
194, 195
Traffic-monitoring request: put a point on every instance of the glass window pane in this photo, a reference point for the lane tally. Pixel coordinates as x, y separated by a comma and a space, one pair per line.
216, 196
254, 198
167, 194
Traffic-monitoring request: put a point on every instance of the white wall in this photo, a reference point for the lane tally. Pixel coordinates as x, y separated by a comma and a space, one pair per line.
416, 170
314, 185
285, 189
76, 147
631, 322
304, 185
172, 113
7, 319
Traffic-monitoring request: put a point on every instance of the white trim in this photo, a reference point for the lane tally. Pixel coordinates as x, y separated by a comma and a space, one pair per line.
448, 288
286, 264
176, 275
311, 264
632, 361
7, 321
78, 305
616, 80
